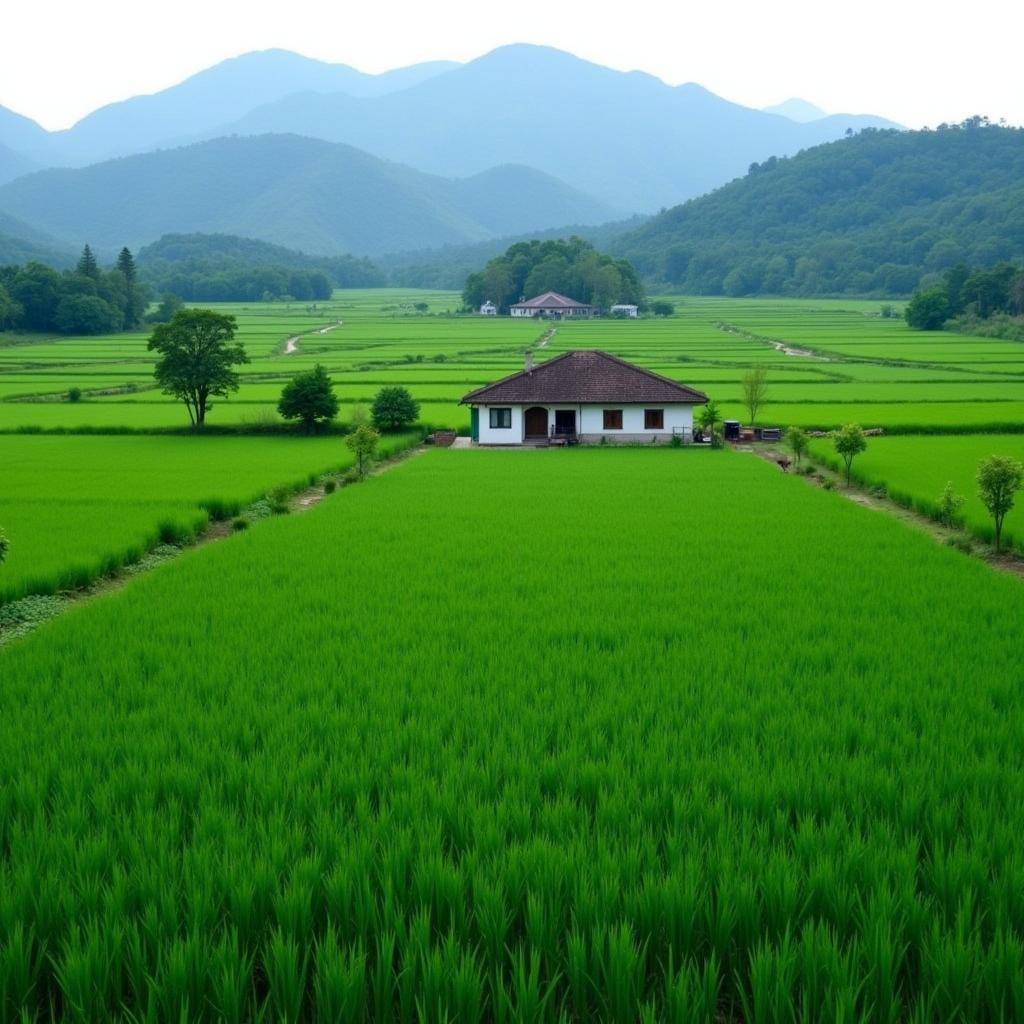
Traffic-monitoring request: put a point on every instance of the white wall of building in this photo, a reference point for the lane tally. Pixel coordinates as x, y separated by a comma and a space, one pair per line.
498, 435
678, 418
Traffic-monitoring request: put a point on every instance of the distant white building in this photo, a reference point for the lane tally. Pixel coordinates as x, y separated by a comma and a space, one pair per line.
625, 309
488, 309
551, 305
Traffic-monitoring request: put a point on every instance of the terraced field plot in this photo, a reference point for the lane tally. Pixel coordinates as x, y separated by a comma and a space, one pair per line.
448, 761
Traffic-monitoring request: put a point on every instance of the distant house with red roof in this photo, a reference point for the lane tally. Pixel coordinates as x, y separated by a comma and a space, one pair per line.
552, 305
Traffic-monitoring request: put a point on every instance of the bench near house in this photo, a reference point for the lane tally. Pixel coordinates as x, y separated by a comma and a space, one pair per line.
582, 396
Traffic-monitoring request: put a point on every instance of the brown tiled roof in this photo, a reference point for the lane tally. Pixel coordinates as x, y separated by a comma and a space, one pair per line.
582, 377
551, 300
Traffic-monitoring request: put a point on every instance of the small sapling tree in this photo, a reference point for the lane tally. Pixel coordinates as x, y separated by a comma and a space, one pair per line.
755, 390
798, 443
198, 356
950, 504
362, 442
394, 408
849, 442
708, 417
999, 480
310, 398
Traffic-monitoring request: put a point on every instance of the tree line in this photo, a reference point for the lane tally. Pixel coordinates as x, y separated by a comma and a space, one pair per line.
571, 266
972, 300
241, 283
227, 268
87, 299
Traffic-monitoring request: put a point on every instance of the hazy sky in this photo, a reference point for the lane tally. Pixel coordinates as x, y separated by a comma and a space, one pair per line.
916, 62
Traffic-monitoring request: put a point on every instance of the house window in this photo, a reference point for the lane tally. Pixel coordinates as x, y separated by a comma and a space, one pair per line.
654, 419
501, 419
613, 419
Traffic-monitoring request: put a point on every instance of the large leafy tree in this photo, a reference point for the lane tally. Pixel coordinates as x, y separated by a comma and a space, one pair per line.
394, 408
198, 356
928, 310
86, 314
309, 397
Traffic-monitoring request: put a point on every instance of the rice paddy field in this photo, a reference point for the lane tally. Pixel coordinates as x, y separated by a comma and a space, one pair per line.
915, 470
78, 507
606, 758
573, 735
828, 362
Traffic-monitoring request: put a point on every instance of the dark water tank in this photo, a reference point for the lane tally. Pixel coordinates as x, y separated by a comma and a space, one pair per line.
731, 430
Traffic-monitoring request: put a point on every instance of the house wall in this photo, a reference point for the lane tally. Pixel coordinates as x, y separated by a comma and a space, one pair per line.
498, 435
678, 418
590, 423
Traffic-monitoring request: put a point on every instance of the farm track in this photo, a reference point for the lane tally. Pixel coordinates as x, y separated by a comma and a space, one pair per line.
1005, 562
299, 502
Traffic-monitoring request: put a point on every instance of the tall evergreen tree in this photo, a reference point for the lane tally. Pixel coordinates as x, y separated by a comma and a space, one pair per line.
87, 264
126, 265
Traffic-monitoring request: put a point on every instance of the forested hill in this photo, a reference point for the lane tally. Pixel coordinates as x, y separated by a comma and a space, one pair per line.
874, 213
298, 192
176, 263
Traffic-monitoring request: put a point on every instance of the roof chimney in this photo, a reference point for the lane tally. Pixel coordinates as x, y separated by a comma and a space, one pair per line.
529, 361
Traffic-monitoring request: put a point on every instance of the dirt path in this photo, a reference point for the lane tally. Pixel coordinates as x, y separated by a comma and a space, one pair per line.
543, 343
945, 535
40, 609
291, 345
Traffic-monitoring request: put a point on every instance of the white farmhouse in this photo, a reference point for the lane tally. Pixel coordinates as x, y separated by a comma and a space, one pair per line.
582, 397
488, 309
551, 305
626, 309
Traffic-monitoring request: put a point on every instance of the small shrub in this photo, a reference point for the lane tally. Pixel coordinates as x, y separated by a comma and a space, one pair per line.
677, 441
239, 523
74, 394
878, 491
330, 486
961, 543
352, 476
950, 503
829, 485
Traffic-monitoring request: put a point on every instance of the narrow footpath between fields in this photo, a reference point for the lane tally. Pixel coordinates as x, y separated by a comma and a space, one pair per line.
1005, 561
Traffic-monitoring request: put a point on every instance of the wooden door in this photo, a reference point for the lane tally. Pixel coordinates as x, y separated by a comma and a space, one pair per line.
536, 420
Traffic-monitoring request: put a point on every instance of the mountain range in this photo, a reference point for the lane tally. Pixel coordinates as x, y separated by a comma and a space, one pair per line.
308, 194
625, 138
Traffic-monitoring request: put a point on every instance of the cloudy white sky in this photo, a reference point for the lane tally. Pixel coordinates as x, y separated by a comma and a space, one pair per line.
916, 62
